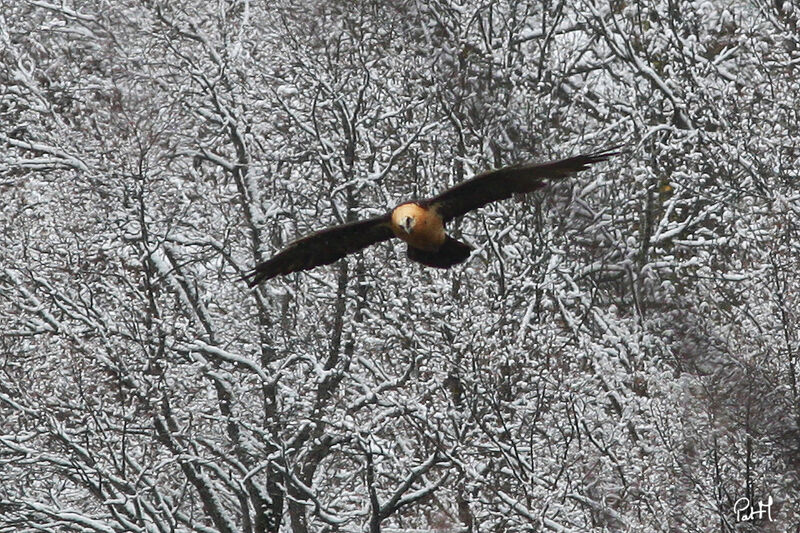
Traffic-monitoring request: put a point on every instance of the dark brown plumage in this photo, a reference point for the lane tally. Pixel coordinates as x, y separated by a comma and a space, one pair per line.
323, 247
421, 223
501, 184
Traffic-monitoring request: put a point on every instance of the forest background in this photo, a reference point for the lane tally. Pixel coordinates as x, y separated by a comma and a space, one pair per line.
619, 354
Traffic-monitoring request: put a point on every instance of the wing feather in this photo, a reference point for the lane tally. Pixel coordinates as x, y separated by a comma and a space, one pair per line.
503, 183
322, 248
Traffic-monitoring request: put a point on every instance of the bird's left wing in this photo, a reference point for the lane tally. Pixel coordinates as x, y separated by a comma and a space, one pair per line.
322, 248
503, 183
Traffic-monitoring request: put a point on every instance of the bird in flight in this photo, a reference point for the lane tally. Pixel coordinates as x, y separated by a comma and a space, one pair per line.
421, 223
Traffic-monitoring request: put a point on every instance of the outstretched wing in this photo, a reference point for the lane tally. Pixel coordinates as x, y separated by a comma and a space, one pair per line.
322, 248
503, 183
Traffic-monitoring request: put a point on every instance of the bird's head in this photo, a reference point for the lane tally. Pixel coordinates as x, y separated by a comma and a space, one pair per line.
408, 223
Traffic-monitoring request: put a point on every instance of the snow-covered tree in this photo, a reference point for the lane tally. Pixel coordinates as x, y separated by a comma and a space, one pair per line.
619, 354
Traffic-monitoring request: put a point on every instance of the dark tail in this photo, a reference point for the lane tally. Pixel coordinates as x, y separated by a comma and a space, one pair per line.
451, 253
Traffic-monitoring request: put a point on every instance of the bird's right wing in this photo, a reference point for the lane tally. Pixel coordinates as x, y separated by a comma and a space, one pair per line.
503, 183
322, 248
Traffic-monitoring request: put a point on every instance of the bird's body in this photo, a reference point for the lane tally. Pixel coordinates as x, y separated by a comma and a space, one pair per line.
427, 232
421, 224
